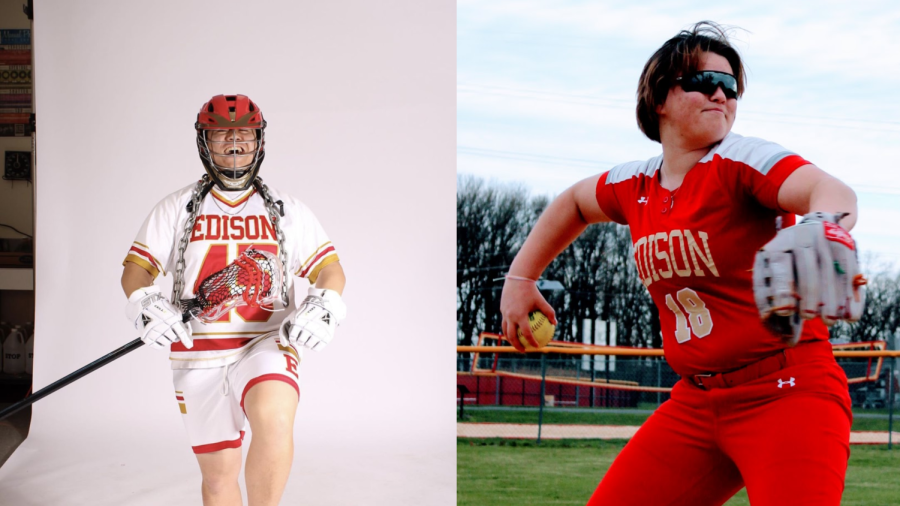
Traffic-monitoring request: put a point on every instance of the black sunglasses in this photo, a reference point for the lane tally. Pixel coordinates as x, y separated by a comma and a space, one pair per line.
707, 81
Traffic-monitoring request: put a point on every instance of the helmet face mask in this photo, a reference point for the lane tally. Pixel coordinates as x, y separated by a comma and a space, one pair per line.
231, 140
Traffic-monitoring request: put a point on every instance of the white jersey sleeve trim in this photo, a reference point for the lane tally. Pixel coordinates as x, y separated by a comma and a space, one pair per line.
757, 153
629, 170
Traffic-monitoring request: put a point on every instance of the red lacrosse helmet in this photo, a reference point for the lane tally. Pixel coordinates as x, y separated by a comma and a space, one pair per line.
228, 118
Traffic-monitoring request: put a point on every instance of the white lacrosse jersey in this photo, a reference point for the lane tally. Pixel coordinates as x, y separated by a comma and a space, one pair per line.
228, 224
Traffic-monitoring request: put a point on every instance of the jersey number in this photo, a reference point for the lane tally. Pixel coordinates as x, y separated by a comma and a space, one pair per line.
216, 260
701, 321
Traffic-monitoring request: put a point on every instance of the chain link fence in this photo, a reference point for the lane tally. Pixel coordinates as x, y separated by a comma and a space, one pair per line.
530, 396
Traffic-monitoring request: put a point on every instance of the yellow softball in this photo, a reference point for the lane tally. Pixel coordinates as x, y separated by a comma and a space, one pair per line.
541, 329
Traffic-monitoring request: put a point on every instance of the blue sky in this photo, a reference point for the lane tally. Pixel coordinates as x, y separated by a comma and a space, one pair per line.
545, 90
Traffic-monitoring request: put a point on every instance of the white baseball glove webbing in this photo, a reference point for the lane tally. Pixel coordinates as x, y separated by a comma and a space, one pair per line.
808, 270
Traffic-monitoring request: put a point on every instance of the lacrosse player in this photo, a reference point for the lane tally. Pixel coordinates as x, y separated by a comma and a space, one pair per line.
761, 402
233, 246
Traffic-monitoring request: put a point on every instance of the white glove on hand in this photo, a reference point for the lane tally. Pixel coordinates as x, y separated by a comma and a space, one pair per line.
313, 323
808, 270
156, 319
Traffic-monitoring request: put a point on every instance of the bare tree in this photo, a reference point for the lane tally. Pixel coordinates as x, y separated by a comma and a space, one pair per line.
601, 282
881, 316
492, 222
600, 279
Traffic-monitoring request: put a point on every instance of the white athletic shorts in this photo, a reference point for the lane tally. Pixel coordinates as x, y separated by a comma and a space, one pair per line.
212, 400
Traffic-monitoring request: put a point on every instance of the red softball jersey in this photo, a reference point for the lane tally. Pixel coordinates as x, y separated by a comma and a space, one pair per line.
694, 248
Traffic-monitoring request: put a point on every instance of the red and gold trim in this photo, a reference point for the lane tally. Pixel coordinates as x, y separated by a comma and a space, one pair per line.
213, 344
323, 256
315, 272
140, 255
179, 396
232, 203
289, 348
228, 347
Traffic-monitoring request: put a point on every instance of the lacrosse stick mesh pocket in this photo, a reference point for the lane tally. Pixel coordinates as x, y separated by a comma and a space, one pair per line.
253, 279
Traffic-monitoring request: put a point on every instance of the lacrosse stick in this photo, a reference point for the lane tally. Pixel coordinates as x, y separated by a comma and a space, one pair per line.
254, 279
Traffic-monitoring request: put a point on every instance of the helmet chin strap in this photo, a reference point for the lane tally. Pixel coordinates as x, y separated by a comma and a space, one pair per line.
233, 174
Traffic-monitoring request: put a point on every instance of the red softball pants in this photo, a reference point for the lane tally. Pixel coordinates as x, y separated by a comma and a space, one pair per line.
785, 436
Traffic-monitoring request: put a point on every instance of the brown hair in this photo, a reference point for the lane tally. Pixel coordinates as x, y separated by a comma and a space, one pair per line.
681, 55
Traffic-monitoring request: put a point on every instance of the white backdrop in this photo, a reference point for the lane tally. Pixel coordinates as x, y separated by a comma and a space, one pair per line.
360, 101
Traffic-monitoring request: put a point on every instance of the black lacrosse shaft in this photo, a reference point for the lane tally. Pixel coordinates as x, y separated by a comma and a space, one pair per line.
93, 366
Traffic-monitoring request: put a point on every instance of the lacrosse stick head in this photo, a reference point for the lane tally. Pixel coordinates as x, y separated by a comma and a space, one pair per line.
254, 279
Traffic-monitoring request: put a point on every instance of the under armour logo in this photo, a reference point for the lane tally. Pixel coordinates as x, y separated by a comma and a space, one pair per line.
642, 200
789, 382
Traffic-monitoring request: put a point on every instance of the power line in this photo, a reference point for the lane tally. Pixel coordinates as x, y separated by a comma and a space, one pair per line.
619, 103
629, 102
612, 103
530, 157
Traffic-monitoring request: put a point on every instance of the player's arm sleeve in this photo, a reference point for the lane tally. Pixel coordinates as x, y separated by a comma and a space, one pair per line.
608, 199
762, 167
152, 248
313, 249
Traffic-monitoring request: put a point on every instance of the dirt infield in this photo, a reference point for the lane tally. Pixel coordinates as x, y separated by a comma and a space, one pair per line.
550, 431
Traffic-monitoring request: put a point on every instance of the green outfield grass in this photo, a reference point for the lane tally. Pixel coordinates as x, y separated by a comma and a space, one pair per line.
554, 416
502, 472
598, 417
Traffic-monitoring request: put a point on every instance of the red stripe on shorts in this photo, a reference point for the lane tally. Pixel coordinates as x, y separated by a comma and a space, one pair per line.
267, 377
222, 445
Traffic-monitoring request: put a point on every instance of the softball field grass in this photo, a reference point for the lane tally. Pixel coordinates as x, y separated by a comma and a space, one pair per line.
868, 420
498, 472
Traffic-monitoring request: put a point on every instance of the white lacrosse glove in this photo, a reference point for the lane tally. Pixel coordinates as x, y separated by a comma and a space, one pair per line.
313, 323
808, 270
156, 319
